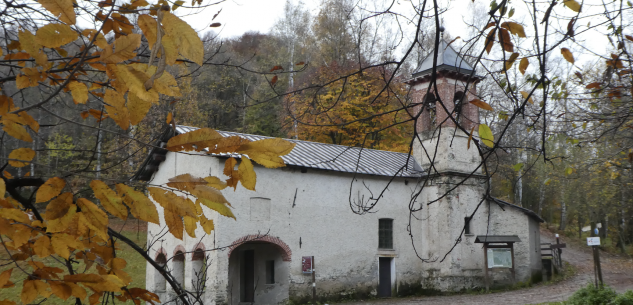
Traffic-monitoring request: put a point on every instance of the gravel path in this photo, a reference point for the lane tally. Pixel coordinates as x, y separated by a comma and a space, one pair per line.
617, 273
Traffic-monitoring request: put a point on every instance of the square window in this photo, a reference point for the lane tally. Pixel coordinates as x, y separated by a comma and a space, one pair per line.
385, 234
270, 272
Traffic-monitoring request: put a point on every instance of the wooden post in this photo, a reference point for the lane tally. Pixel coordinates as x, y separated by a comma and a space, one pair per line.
514, 279
313, 282
486, 266
598, 267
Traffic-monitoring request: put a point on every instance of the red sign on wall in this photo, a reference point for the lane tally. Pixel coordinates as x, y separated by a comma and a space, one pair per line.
306, 264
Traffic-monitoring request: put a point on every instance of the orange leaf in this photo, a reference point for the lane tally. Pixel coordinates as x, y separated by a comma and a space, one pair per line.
274, 80
481, 104
490, 40
169, 117
50, 189
567, 55
21, 154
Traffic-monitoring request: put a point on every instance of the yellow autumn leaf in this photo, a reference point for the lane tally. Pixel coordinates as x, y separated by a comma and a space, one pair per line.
572, 5
523, 65
185, 182
267, 152
148, 26
62, 9
61, 290
116, 108
42, 246
206, 224
59, 206
197, 140
171, 50
135, 80
79, 92
122, 49
140, 206
514, 28
190, 225
5, 277
99, 41
17, 131
59, 243
137, 108
170, 201
110, 201
248, 177
25, 155
568, 55
29, 292
218, 207
54, 35
215, 182
50, 189
174, 223
481, 104
486, 136
470, 137
525, 95
3, 188
94, 214
29, 121
28, 43
510, 61
186, 38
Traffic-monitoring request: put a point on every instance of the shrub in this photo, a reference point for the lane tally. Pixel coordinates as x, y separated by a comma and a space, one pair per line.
624, 299
590, 295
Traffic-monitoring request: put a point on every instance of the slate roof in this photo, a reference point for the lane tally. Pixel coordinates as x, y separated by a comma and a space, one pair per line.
497, 239
314, 155
447, 59
522, 209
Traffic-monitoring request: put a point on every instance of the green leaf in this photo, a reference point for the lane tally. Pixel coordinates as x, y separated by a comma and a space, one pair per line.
517, 167
486, 136
547, 181
569, 171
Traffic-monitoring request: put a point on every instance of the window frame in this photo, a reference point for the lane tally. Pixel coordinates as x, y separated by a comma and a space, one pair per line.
270, 272
385, 234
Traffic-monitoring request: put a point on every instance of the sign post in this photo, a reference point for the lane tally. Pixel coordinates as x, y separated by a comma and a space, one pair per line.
594, 242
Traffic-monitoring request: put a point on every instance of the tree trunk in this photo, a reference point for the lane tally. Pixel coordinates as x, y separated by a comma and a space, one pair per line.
563, 211
541, 199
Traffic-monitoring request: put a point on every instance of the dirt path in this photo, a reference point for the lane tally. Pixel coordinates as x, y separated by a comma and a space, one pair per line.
617, 273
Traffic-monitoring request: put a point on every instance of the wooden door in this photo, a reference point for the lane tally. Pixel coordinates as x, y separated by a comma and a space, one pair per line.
247, 276
384, 277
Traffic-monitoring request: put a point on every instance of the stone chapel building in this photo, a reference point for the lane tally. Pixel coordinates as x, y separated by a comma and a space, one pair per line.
303, 210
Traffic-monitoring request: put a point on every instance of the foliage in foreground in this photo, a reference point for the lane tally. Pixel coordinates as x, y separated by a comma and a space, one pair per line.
590, 295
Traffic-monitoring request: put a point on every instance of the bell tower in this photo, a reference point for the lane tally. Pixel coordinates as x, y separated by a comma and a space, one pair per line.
444, 110
455, 187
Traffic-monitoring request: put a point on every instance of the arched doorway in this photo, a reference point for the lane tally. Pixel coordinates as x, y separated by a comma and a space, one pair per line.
258, 270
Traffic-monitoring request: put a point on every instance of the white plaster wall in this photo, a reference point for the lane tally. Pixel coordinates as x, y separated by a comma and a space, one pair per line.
527, 253
451, 154
345, 245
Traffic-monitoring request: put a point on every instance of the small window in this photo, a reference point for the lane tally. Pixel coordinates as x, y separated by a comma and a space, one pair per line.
179, 267
270, 272
458, 99
467, 225
429, 101
385, 234
159, 280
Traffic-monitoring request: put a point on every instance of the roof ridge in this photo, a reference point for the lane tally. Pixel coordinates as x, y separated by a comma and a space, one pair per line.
298, 140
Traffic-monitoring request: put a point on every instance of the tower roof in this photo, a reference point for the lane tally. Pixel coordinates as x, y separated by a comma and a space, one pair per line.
447, 59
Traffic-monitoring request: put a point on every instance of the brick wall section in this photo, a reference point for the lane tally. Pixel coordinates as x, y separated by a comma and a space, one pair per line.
199, 246
447, 90
182, 250
286, 253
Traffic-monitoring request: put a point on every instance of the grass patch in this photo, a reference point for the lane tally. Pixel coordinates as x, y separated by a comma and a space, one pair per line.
135, 268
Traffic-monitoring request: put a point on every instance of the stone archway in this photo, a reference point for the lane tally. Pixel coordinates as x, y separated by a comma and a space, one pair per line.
259, 270
286, 253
